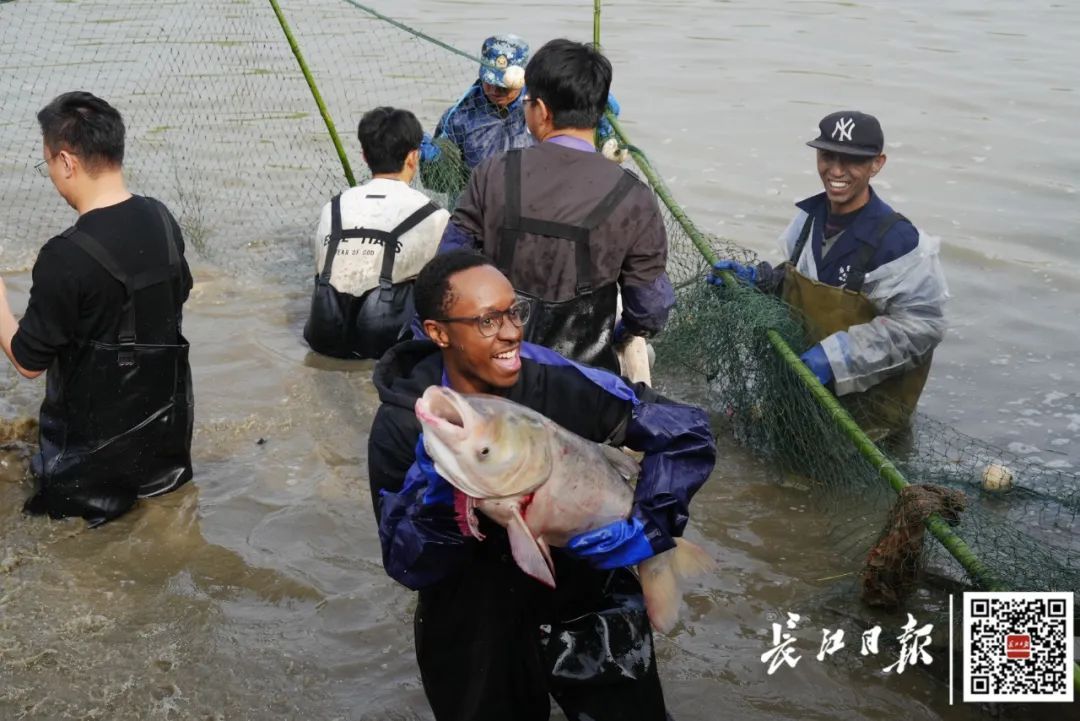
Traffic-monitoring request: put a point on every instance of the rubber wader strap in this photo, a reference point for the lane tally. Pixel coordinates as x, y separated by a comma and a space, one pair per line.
597, 216
857, 271
95, 250
388, 238
335, 238
392, 245
804, 235
169, 272
514, 225
139, 281
510, 233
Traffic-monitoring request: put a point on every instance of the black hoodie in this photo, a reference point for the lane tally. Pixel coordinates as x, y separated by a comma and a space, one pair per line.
491, 642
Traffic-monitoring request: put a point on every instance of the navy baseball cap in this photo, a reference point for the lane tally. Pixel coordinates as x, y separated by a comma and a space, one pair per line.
850, 132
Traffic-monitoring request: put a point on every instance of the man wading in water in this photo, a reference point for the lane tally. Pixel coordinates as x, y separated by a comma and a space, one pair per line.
572, 230
492, 643
868, 283
104, 321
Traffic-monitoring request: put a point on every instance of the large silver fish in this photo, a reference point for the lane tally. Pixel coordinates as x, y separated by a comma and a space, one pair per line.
544, 484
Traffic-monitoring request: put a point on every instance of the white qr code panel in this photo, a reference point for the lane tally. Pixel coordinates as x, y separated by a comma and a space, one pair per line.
1018, 646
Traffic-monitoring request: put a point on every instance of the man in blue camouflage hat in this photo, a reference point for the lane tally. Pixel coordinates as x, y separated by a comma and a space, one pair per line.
488, 119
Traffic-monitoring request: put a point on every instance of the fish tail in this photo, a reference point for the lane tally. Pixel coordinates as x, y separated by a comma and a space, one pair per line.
689, 560
660, 577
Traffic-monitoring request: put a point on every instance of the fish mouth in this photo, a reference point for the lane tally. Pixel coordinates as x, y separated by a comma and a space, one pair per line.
439, 412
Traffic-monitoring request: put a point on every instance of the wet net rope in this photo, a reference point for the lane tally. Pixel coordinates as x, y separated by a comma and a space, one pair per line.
233, 132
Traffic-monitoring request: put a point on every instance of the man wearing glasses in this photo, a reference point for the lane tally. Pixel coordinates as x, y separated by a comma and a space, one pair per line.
104, 320
570, 229
491, 642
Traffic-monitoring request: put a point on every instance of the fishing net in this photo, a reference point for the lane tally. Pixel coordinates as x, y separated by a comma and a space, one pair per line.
221, 124
1016, 515
223, 127
1009, 517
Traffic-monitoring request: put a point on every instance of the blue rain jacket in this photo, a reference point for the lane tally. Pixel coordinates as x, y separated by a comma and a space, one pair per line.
480, 129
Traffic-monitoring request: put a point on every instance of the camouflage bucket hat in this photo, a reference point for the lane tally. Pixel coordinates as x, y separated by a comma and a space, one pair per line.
499, 53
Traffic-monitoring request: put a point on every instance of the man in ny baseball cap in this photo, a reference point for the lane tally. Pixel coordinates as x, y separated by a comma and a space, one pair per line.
868, 283
849, 132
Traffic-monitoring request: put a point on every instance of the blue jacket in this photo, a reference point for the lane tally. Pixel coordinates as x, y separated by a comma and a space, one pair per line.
900, 240
904, 281
481, 129
421, 543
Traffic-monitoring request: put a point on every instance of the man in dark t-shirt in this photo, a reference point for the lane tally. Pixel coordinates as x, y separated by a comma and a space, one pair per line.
104, 319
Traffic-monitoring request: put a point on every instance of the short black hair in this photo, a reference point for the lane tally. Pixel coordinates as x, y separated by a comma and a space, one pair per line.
573, 80
85, 125
386, 136
432, 295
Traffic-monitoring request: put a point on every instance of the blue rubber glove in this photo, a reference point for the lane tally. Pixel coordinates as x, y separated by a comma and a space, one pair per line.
615, 545
438, 490
818, 363
604, 129
613, 105
429, 151
745, 273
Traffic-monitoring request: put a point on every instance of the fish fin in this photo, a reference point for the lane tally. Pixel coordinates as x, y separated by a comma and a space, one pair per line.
530, 553
545, 551
660, 576
661, 591
689, 560
626, 466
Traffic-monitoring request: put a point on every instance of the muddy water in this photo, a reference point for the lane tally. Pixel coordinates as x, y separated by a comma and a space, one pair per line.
257, 592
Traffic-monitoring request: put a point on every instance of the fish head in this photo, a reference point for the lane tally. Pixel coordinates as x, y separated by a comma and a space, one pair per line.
485, 446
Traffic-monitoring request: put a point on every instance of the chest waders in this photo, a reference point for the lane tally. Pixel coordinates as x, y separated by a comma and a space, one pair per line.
492, 643
347, 326
116, 421
887, 407
581, 328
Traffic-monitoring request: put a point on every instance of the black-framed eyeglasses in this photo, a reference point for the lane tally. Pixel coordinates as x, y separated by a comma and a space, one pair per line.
489, 324
42, 167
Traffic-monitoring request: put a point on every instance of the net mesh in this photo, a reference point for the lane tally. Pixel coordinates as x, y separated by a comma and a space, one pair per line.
223, 128
1018, 513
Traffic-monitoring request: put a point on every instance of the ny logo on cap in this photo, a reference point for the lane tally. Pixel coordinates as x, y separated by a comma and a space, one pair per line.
844, 126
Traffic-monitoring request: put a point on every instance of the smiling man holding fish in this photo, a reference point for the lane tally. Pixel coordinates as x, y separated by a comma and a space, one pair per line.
493, 641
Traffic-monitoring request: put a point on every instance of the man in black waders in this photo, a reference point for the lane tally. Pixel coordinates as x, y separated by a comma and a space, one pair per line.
104, 320
868, 283
370, 244
493, 643
567, 226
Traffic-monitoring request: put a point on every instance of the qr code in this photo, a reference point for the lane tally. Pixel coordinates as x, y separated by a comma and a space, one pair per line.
1018, 646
